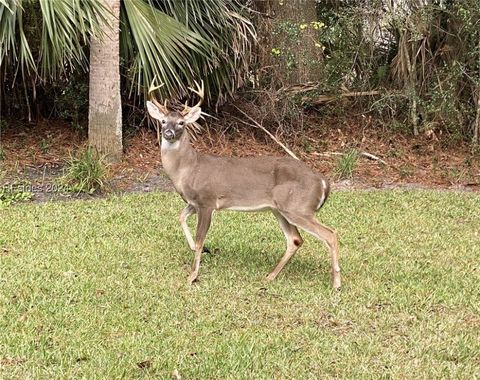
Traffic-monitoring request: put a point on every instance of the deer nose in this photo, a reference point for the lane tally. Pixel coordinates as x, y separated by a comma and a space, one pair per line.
169, 134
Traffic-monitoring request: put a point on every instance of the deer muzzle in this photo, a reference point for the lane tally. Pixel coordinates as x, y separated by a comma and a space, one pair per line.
169, 134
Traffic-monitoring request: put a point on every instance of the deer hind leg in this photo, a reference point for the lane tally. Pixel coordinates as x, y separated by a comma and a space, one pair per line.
186, 212
323, 233
294, 241
204, 220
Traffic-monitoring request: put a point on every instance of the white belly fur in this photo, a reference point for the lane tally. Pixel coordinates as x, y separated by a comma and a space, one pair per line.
263, 207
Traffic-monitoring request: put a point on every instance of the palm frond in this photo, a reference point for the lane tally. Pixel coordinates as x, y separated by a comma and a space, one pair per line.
184, 41
8, 20
5, 3
67, 27
155, 44
231, 34
26, 61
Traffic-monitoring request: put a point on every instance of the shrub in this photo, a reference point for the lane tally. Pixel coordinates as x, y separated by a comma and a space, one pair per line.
346, 164
86, 172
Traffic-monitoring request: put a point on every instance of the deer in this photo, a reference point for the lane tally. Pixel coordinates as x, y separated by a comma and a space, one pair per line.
283, 185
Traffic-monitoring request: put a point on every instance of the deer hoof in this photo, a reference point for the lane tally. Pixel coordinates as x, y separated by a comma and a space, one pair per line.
337, 286
192, 278
270, 277
337, 283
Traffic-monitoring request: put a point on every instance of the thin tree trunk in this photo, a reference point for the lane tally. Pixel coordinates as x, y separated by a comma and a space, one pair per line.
412, 93
105, 108
476, 126
413, 110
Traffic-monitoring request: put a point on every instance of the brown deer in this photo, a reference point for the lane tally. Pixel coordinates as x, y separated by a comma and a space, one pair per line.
283, 185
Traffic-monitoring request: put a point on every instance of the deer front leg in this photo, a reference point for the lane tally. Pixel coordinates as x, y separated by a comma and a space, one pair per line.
204, 220
186, 212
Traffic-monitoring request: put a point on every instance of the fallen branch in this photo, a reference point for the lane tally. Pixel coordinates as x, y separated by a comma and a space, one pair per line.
321, 99
299, 88
327, 98
373, 157
364, 154
328, 154
258, 125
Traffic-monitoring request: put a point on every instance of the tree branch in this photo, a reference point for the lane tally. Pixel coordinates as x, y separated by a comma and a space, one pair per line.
258, 125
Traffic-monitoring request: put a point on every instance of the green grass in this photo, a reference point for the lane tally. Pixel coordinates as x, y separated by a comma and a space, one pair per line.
97, 290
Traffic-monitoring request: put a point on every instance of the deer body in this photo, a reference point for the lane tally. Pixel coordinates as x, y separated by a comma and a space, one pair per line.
242, 184
283, 185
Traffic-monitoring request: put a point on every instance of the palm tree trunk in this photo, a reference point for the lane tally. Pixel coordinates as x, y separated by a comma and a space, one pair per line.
105, 108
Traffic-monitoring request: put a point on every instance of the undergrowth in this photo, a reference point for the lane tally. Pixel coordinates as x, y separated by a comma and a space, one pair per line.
86, 172
346, 164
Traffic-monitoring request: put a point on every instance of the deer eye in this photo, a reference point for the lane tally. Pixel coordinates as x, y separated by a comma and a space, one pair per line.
181, 123
164, 122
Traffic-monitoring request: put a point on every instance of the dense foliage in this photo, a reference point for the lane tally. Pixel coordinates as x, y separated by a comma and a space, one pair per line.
414, 62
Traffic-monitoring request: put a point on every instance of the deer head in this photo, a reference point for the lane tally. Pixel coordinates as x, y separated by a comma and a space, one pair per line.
174, 123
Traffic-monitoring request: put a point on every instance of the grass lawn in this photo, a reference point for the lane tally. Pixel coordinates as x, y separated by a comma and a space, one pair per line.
97, 290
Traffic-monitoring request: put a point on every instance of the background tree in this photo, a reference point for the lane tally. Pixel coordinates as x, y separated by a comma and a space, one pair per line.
105, 104
288, 43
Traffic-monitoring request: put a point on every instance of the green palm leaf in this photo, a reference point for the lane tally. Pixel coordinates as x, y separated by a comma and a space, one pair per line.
221, 22
155, 44
184, 41
67, 27
177, 41
4, 3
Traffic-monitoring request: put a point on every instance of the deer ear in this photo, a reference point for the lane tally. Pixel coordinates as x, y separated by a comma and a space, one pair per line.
193, 115
154, 111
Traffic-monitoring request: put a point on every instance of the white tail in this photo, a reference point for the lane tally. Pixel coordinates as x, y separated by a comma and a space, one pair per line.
207, 183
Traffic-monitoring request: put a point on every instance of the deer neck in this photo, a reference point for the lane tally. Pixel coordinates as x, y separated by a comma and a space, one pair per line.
178, 158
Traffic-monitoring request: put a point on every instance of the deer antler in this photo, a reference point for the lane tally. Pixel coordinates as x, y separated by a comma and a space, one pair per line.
200, 91
162, 107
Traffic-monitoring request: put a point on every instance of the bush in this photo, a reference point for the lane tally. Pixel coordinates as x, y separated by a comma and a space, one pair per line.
86, 172
418, 60
71, 101
346, 164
